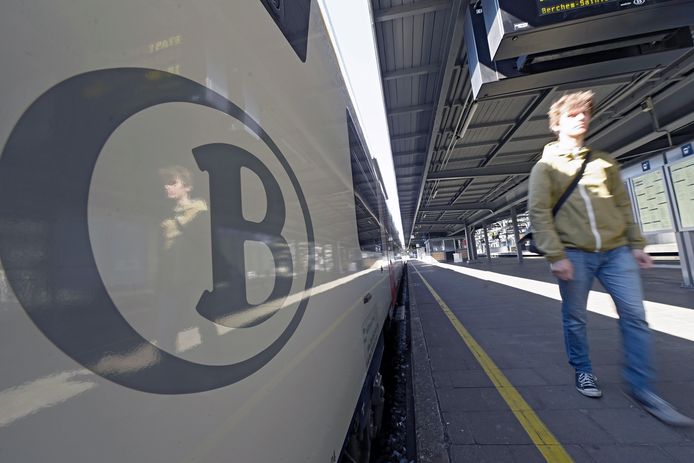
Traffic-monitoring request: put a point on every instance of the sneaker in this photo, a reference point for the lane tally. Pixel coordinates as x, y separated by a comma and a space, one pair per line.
587, 384
662, 410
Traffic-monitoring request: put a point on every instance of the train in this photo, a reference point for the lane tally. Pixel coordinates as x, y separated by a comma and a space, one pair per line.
197, 262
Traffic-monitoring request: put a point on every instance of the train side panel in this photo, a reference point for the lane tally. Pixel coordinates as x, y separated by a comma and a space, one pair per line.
181, 270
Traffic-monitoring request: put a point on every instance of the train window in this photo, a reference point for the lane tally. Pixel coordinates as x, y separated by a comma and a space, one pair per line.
368, 197
292, 18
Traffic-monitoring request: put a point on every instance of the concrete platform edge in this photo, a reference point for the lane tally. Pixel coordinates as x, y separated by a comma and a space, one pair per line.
430, 434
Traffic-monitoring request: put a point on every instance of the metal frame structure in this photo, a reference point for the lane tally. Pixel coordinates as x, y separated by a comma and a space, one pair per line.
461, 162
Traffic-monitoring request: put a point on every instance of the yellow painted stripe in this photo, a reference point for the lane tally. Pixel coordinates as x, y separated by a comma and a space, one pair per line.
544, 440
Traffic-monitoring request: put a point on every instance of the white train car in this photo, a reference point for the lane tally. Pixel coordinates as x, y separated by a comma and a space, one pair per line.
196, 260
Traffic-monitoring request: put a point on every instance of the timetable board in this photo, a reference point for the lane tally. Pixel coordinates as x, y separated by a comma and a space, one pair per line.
652, 203
682, 174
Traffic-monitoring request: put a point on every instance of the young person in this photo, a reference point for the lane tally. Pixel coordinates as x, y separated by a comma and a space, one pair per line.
593, 235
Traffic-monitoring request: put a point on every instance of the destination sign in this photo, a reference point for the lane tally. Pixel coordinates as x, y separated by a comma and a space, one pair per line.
524, 27
546, 7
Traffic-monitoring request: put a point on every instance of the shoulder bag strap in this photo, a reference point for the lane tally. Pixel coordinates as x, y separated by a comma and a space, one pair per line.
571, 187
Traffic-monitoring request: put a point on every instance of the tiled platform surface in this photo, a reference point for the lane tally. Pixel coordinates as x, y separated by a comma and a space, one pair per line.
462, 418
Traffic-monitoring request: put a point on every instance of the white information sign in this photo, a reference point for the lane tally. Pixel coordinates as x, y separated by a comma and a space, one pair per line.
652, 203
683, 183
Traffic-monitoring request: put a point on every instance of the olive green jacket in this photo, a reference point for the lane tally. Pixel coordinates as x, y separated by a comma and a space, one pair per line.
597, 216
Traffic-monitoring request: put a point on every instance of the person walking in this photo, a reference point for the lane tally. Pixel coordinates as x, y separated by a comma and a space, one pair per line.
583, 223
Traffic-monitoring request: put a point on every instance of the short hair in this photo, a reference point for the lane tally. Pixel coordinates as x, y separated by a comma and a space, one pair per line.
171, 173
582, 101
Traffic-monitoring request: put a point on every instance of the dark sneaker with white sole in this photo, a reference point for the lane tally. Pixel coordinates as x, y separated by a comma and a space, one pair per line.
662, 410
587, 384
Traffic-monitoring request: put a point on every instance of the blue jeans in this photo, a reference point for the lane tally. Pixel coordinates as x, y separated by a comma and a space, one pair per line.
618, 272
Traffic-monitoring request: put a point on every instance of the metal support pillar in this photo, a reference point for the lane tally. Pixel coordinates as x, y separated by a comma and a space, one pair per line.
468, 243
486, 242
685, 245
516, 234
474, 244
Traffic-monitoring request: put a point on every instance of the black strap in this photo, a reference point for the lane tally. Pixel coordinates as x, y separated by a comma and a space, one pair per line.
571, 187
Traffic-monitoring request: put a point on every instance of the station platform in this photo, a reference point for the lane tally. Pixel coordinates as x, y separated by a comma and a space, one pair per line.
491, 380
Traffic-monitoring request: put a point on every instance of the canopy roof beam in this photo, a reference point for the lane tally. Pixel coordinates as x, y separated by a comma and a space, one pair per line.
411, 9
458, 207
410, 109
487, 171
411, 72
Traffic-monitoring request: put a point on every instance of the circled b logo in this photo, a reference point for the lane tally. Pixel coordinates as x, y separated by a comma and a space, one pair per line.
45, 172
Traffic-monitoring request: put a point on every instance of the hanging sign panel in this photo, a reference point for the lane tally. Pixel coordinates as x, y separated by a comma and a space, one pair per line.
652, 203
545, 7
522, 27
683, 183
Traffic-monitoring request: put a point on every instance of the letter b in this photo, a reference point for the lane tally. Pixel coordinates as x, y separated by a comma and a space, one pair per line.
227, 304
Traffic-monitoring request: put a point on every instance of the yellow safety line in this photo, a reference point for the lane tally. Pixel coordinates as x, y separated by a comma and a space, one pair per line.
543, 439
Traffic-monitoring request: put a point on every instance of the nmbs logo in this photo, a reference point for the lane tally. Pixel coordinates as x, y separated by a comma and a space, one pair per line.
46, 170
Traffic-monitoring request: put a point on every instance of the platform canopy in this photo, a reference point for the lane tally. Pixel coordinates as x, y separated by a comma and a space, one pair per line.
463, 146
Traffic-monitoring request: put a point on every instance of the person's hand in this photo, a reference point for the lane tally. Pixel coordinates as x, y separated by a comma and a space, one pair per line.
643, 259
562, 269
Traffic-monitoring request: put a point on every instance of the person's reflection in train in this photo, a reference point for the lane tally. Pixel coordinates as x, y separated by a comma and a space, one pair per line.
187, 211
181, 233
